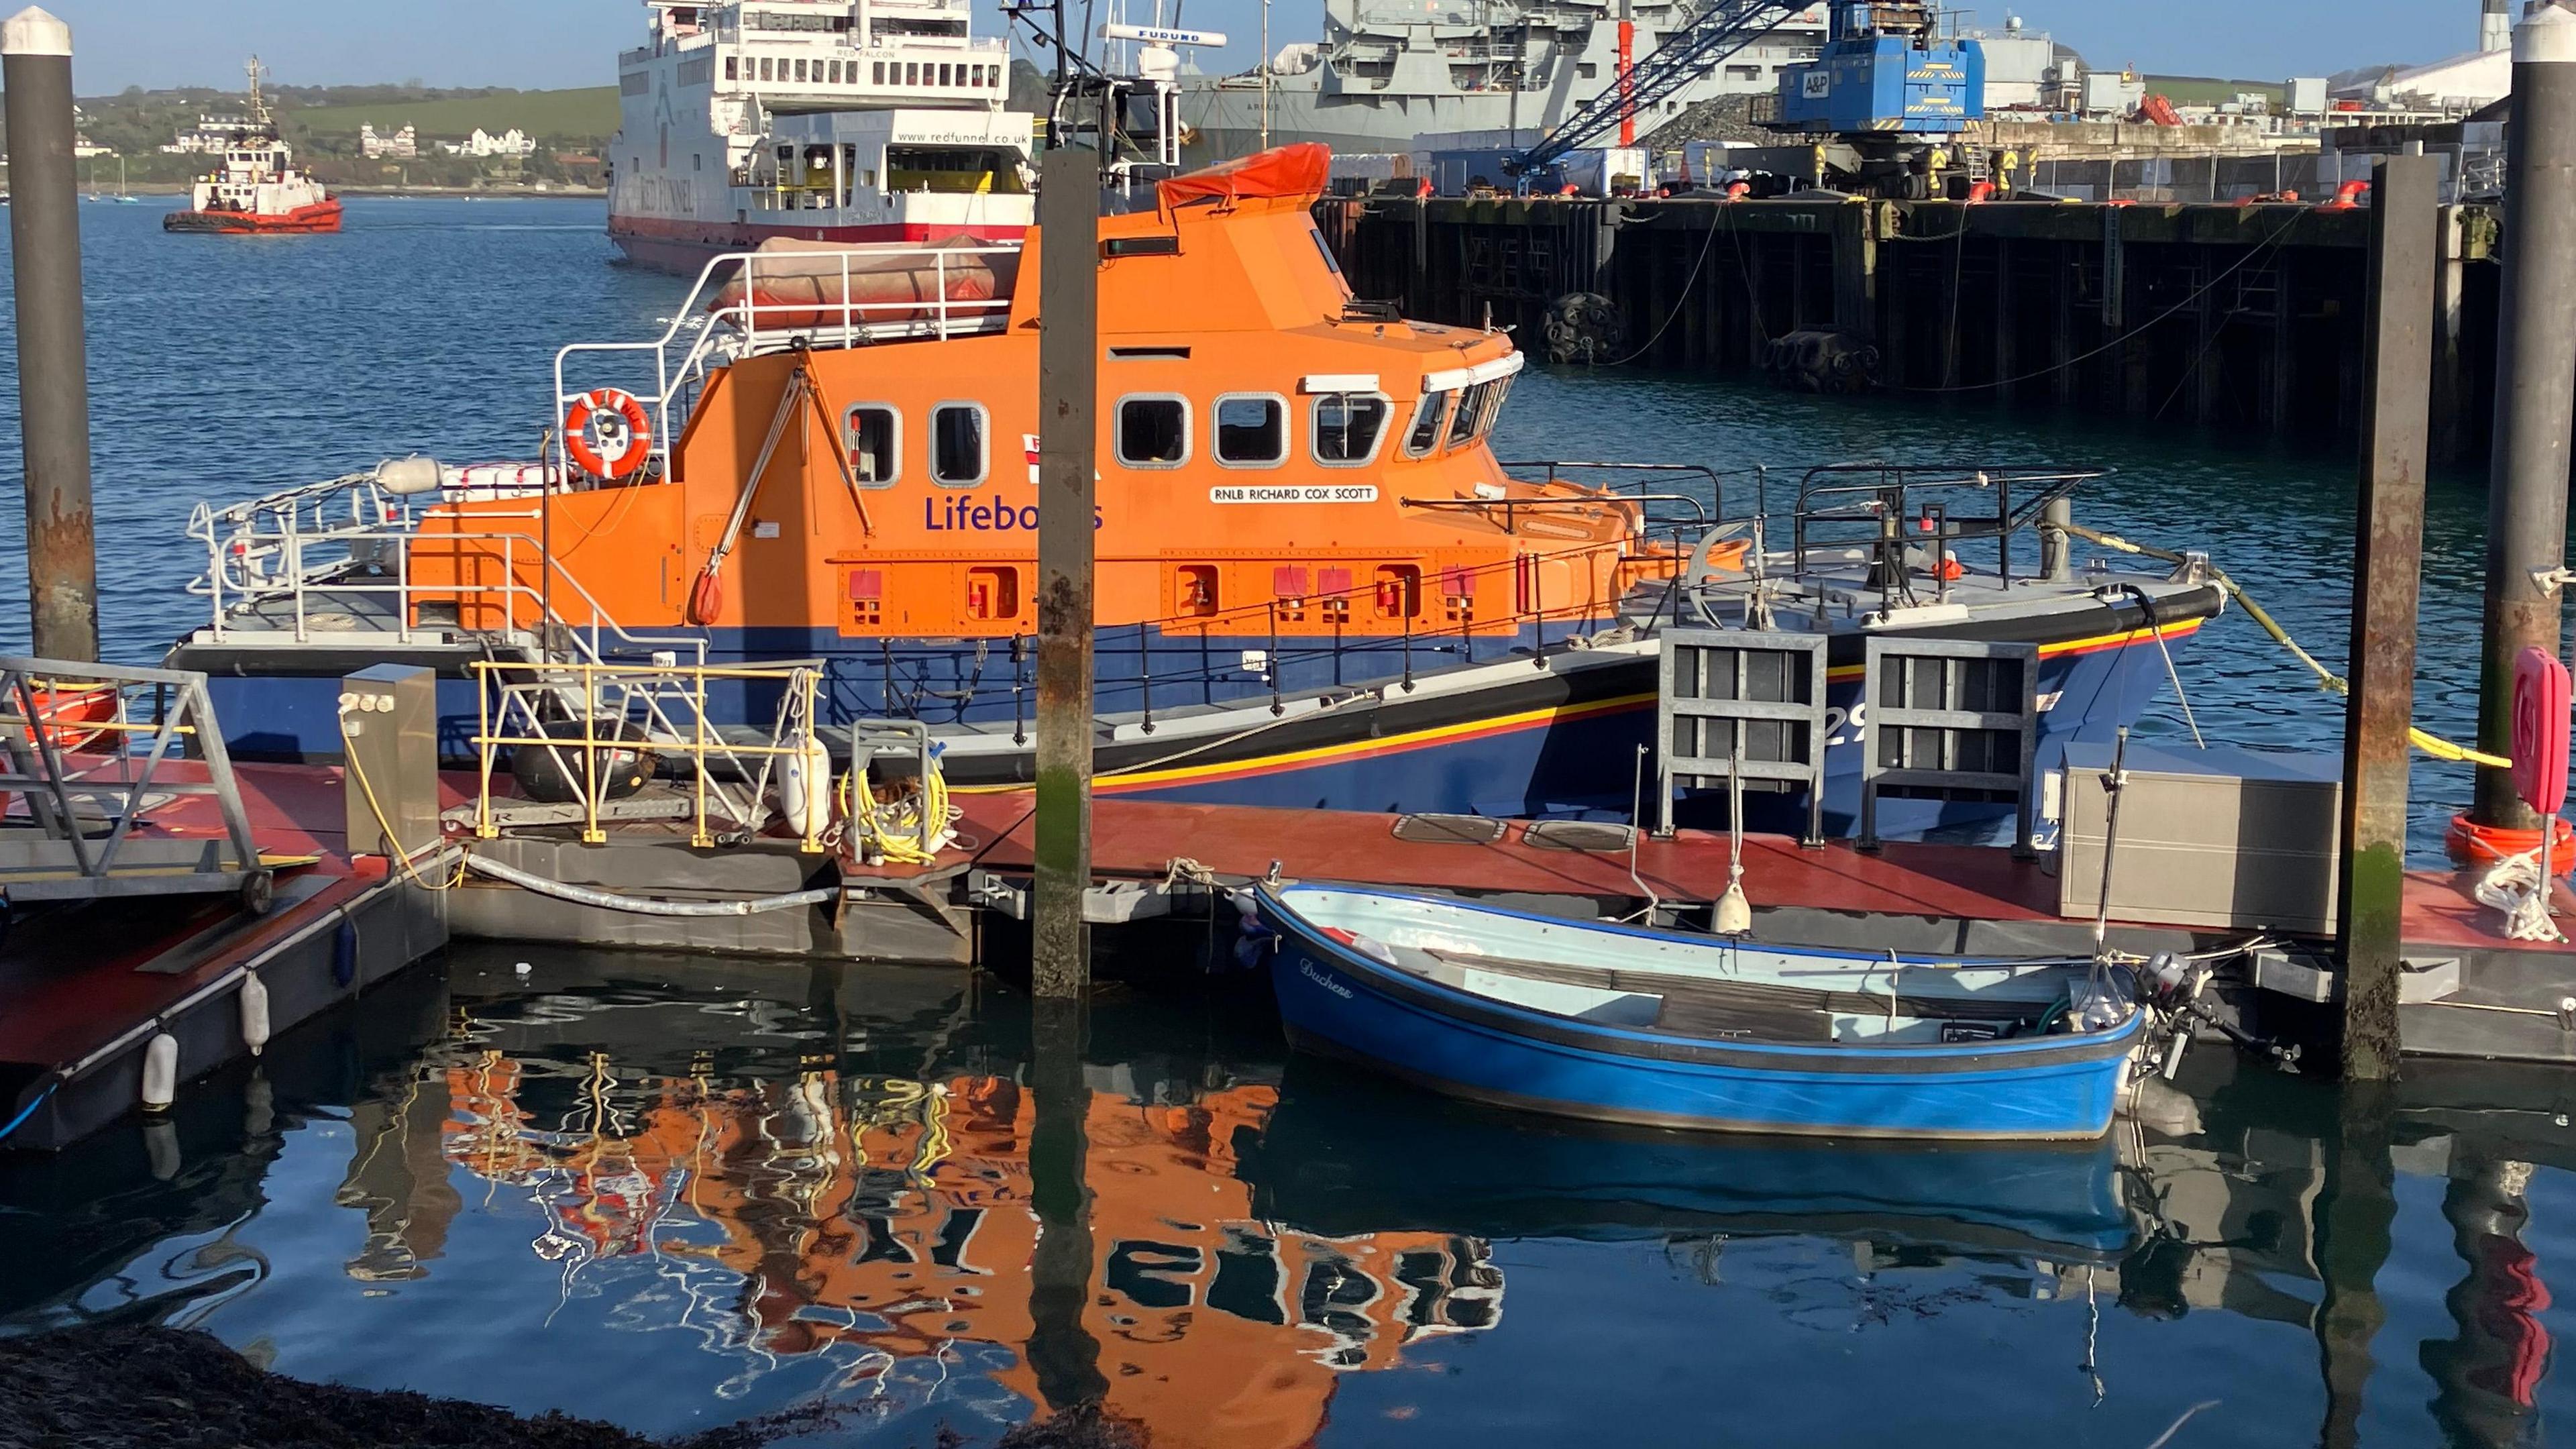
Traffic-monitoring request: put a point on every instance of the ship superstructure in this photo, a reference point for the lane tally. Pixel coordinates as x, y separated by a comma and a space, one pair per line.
1385, 73
256, 187
815, 120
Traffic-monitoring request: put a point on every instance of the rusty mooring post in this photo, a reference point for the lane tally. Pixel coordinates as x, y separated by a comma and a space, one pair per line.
2387, 551
53, 357
2535, 390
1068, 385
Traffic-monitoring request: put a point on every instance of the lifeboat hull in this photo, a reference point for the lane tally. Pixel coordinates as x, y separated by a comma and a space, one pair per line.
321, 216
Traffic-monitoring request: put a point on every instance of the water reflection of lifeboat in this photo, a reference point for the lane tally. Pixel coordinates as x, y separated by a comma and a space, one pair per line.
892, 1218
1345, 1154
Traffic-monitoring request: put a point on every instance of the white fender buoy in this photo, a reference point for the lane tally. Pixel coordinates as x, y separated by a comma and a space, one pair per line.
805, 786
160, 1071
254, 1014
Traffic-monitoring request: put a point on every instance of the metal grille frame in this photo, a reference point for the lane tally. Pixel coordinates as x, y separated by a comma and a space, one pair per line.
1682, 705
1948, 721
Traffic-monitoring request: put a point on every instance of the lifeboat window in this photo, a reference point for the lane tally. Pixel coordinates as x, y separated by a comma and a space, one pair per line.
1153, 431
1347, 429
1251, 430
873, 433
1465, 423
1426, 425
957, 453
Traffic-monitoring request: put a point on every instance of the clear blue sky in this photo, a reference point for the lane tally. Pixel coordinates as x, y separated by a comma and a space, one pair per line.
546, 43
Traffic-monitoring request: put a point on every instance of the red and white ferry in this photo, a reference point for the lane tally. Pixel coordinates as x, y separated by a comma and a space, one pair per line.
258, 189
813, 120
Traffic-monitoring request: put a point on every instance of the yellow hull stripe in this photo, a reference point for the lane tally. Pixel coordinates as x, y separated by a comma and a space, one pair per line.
1111, 783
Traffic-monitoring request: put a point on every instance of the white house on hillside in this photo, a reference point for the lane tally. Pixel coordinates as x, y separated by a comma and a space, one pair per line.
512, 142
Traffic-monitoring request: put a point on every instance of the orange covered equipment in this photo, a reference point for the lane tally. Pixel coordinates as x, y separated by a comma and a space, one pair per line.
795, 283
1299, 171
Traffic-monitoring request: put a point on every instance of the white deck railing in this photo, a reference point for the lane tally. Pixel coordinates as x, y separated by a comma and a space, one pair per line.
700, 331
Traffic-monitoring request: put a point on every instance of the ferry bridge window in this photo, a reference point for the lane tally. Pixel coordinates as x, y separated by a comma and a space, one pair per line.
957, 455
912, 72
764, 68
873, 432
1251, 430
733, 67
876, 72
1347, 428
1426, 425
1153, 432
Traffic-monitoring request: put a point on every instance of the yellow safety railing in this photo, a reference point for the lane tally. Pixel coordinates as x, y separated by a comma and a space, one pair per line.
617, 709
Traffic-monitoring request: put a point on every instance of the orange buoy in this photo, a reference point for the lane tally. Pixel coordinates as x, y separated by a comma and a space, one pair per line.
2475, 844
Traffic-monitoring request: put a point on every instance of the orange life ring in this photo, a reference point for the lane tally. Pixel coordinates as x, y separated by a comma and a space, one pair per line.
614, 412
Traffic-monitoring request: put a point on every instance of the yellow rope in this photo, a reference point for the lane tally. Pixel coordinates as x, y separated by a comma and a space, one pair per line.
2327, 680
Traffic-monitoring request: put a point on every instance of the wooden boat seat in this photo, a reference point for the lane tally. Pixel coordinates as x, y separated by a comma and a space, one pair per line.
1762, 1010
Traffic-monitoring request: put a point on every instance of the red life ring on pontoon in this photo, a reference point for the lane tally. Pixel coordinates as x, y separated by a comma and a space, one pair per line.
624, 432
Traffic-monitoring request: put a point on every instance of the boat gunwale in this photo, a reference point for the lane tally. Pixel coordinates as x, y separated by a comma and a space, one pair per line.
1468, 1009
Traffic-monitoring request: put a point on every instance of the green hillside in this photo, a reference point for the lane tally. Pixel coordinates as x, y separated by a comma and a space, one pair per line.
588, 114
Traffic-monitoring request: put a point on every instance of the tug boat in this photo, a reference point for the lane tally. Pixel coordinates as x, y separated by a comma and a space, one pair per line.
258, 191
813, 121
1316, 583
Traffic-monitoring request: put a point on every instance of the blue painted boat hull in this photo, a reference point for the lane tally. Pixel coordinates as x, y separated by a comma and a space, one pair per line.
1347, 1153
1335, 1001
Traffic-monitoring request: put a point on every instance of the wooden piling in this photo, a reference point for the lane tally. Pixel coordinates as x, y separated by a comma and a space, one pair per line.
1068, 389
2387, 551
53, 355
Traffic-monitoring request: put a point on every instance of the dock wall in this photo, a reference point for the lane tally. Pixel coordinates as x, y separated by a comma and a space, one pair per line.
2231, 317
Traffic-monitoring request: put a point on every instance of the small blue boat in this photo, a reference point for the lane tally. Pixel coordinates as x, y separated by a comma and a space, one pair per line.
1669, 1029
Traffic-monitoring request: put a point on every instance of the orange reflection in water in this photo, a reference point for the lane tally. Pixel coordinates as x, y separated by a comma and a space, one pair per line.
891, 1219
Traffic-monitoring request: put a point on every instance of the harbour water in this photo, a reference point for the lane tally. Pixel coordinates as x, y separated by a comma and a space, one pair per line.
675, 1193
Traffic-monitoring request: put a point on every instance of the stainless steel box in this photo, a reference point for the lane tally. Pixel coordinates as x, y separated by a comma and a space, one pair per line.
2230, 838
389, 715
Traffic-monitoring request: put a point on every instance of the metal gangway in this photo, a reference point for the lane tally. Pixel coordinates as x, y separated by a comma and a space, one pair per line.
90, 750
